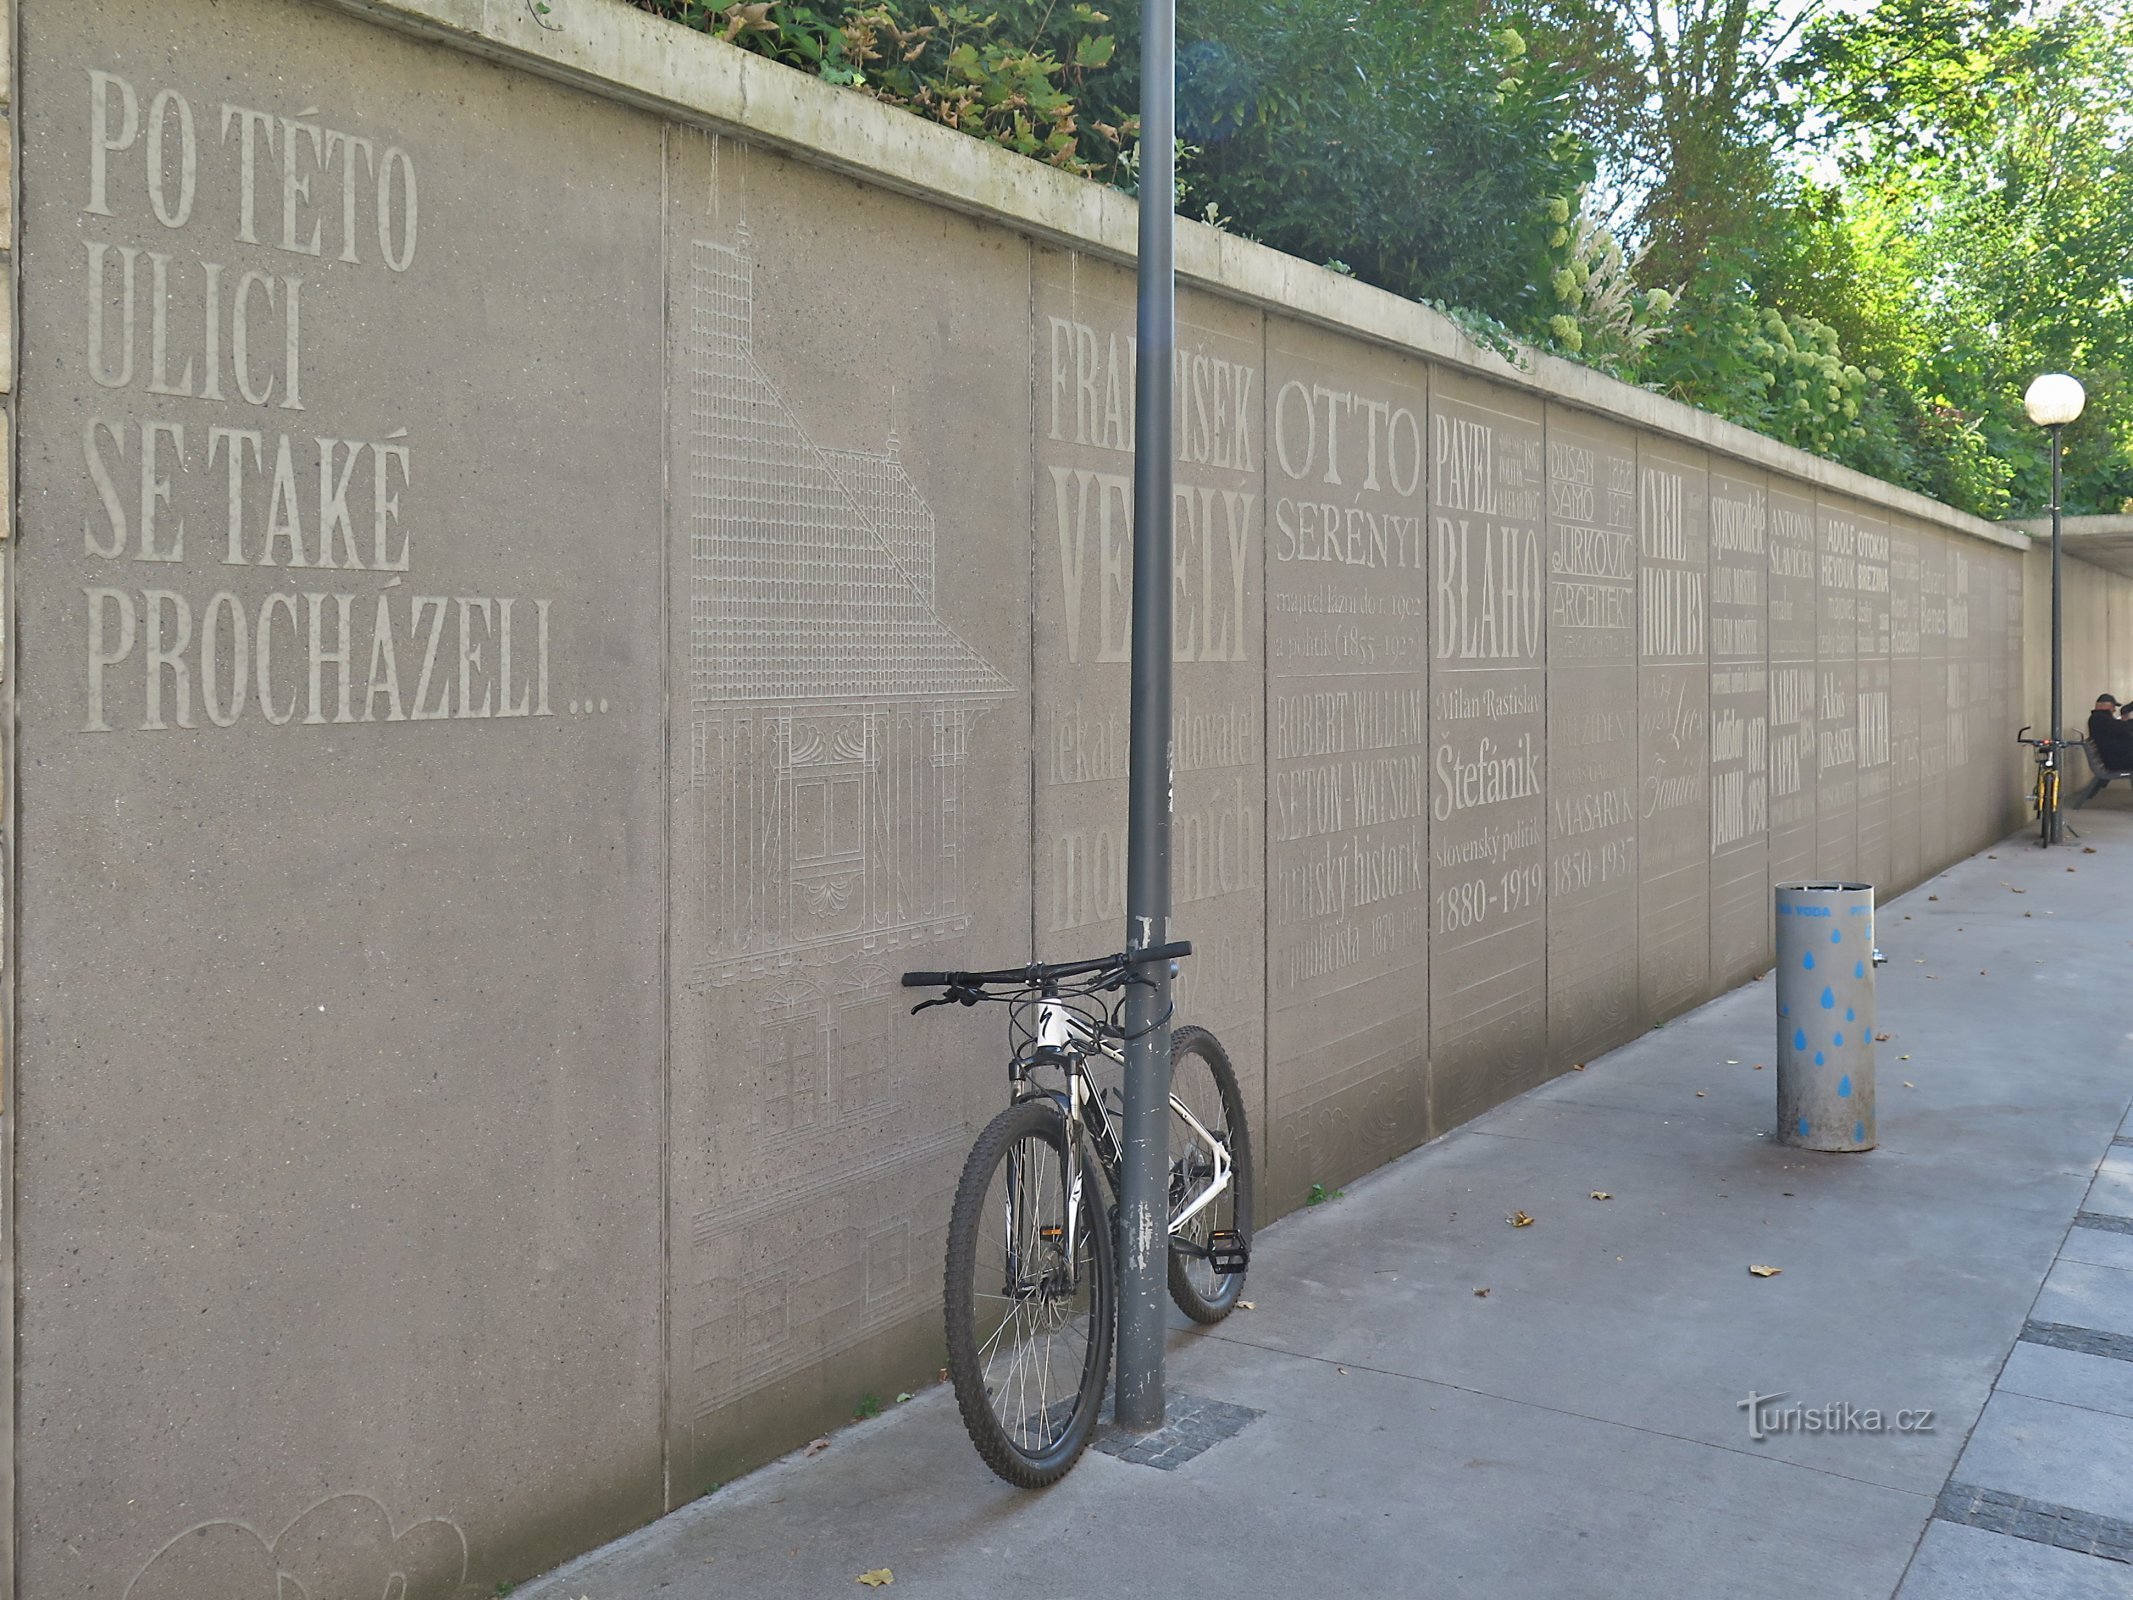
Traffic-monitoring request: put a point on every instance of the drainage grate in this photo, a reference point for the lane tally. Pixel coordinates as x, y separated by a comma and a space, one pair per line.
2038, 1521
1191, 1427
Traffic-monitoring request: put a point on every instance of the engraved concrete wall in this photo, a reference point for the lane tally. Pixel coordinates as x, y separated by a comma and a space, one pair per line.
1488, 1018
340, 710
1673, 729
1593, 998
849, 768
531, 613
1080, 314
1347, 718
1740, 726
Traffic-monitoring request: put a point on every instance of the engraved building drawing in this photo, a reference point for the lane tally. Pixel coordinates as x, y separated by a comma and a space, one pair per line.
829, 718
830, 707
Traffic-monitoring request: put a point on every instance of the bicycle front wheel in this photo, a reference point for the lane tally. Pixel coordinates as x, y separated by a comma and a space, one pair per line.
1210, 1172
1029, 1322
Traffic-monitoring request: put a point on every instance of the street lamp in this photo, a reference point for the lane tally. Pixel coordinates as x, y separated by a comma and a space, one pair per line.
2053, 401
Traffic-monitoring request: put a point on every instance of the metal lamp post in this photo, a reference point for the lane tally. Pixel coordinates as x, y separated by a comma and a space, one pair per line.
2053, 401
1144, 1198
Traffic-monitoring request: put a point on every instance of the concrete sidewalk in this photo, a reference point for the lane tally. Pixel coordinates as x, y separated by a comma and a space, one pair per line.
1580, 1430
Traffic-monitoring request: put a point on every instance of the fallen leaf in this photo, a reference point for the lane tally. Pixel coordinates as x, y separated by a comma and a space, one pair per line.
1518, 1219
1343, 1371
2088, 849
2029, 913
1766, 1272
1881, 1038
1247, 1305
1932, 897
1933, 977
1731, 1062
1699, 1094
1481, 1294
2070, 869
1577, 1066
2013, 890
1601, 1194
1759, 1066
1910, 1085
1903, 1058
900, 1399
879, 1578
819, 1446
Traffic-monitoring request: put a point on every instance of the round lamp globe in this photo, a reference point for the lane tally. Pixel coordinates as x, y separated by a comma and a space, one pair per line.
2053, 400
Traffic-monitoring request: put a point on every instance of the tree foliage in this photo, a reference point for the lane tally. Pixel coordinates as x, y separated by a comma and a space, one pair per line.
1861, 231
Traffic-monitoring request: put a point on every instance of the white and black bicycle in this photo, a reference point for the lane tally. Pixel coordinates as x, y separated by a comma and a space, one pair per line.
1031, 1284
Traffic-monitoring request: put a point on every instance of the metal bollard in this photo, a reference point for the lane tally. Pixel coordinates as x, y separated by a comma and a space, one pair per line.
1825, 998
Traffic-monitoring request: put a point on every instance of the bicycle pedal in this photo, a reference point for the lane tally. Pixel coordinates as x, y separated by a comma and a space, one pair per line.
1228, 1253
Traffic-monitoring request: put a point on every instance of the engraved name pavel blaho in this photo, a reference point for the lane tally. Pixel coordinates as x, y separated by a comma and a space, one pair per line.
256, 482
1489, 499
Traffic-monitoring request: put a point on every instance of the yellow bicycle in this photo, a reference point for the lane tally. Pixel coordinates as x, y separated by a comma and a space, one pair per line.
2044, 794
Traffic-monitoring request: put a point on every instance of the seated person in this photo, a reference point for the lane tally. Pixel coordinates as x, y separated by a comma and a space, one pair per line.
2111, 736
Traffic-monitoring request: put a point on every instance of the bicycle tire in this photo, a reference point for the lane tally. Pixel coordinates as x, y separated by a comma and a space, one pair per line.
1200, 1067
1030, 1448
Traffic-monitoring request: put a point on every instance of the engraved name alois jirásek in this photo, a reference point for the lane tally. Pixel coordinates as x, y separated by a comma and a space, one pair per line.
270, 486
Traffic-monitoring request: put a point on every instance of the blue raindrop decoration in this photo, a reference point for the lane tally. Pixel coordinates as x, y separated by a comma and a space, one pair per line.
1829, 999
1844, 1087
1799, 1038
1808, 961
1803, 1127
1858, 1133
1818, 1058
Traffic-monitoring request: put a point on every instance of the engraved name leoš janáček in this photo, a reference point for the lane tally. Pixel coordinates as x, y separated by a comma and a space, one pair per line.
268, 485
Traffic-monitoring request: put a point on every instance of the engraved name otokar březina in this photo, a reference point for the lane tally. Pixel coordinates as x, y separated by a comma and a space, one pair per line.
288, 206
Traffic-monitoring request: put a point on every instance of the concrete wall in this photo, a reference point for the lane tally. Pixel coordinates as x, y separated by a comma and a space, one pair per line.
538, 593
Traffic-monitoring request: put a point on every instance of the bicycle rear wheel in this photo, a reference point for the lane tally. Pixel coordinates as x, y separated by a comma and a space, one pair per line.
1029, 1341
1204, 1085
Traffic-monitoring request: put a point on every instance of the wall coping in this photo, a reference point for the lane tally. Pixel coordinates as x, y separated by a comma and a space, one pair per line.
620, 53
2115, 523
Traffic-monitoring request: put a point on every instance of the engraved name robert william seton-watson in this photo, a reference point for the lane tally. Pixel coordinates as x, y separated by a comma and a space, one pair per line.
234, 529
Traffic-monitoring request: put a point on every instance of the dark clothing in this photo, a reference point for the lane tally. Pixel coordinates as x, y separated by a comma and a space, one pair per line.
2112, 741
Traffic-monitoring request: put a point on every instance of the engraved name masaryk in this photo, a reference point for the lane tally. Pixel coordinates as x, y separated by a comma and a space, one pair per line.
251, 558
1347, 759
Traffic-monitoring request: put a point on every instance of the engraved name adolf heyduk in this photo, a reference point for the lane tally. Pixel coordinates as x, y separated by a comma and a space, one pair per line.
265, 485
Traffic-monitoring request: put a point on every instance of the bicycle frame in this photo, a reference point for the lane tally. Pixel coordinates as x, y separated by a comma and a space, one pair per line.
1065, 1039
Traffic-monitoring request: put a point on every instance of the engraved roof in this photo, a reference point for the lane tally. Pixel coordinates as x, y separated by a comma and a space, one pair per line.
812, 570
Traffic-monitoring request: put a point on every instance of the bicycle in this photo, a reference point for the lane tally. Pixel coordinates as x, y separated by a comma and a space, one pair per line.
2044, 794
1031, 1280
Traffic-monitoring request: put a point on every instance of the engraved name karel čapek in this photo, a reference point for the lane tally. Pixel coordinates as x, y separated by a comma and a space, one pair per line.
267, 486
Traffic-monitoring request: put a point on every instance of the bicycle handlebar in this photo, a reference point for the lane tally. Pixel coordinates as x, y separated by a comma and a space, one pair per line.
1039, 972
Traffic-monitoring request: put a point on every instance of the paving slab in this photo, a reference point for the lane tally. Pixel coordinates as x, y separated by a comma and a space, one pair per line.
1958, 1563
2044, 1373
2104, 1249
2083, 1295
2046, 1450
